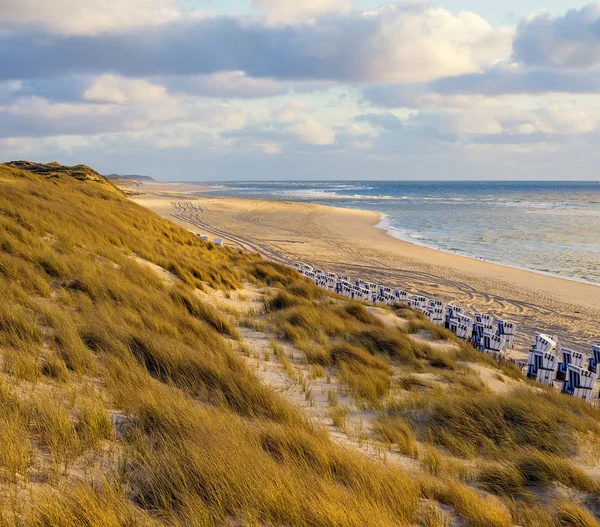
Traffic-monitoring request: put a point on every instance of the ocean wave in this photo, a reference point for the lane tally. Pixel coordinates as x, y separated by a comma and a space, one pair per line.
320, 194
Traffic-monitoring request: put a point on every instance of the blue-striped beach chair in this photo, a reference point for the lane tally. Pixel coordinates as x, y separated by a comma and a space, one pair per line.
451, 313
594, 359
542, 367
401, 296
508, 329
579, 382
569, 357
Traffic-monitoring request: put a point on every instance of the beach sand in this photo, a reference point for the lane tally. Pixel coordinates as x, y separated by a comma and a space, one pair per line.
348, 241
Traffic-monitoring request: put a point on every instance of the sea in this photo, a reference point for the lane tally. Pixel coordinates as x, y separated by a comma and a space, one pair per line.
548, 227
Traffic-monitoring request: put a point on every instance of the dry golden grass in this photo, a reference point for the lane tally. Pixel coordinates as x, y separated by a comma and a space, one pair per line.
123, 400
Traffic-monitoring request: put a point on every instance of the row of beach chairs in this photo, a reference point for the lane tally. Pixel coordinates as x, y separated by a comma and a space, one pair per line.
487, 335
577, 371
217, 241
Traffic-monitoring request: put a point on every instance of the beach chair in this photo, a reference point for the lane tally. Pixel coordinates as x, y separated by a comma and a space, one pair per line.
479, 331
344, 278
452, 312
494, 344
390, 299
544, 343
464, 319
570, 357
438, 316
401, 296
508, 329
477, 336
463, 331
437, 304
218, 242
484, 318
594, 359
579, 382
421, 302
542, 367
462, 327
416, 305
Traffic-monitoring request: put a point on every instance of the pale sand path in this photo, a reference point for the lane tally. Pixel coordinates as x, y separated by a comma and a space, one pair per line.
347, 241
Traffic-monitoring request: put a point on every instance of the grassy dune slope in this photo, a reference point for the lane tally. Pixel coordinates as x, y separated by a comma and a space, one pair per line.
123, 400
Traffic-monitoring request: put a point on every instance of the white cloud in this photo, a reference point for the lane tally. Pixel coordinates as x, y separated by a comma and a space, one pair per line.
180, 141
559, 119
121, 90
290, 112
285, 11
313, 132
223, 118
270, 148
81, 17
418, 44
40, 108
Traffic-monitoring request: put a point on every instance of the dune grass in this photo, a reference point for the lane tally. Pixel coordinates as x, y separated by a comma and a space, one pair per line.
94, 329
123, 400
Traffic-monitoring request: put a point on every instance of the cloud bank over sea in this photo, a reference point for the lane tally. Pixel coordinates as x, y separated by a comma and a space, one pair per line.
323, 88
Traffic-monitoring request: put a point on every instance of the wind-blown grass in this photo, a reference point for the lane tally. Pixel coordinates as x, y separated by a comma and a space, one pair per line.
124, 402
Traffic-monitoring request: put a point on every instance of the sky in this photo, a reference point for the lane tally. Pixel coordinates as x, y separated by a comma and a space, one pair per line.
209, 90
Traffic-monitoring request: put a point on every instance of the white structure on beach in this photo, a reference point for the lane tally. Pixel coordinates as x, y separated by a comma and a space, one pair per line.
578, 372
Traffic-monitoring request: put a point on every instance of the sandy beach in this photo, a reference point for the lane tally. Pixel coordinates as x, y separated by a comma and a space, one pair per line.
348, 241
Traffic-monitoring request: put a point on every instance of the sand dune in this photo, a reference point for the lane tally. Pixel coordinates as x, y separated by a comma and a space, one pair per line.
348, 241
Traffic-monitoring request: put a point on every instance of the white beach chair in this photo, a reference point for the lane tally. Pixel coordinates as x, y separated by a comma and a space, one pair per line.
401, 296
594, 361
484, 318
544, 343
493, 344
438, 316
218, 242
542, 367
579, 383
480, 330
570, 357
463, 331
464, 319
437, 304
508, 329
451, 313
